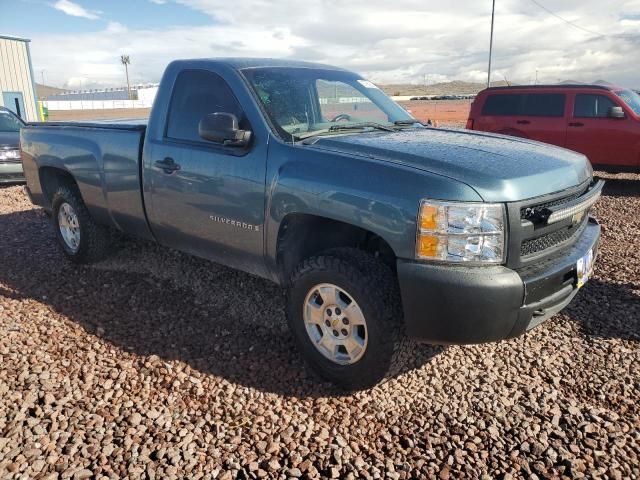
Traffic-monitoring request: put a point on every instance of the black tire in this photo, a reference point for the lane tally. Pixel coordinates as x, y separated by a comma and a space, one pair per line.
373, 286
94, 238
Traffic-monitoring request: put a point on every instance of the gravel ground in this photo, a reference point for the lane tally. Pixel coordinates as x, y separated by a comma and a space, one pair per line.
153, 364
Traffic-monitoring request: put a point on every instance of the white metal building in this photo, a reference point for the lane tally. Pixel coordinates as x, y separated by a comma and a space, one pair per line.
17, 87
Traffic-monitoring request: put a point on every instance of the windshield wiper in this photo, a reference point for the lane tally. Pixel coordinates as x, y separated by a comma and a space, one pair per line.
345, 127
359, 126
402, 123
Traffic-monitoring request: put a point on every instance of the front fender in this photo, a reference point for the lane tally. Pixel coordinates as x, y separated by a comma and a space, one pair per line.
378, 196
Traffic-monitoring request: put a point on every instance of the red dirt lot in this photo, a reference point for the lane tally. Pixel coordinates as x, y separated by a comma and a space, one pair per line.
445, 112
450, 113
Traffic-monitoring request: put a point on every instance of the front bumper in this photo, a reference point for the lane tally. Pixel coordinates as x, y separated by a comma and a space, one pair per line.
11, 172
466, 305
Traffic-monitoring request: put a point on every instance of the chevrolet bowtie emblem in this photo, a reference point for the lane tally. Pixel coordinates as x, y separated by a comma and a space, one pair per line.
577, 217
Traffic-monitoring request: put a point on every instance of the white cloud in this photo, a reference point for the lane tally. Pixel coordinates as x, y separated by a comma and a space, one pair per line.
159, 2
634, 23
115, 27
75, 10
400, 41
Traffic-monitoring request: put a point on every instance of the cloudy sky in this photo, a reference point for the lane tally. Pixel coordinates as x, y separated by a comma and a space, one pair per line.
79, 42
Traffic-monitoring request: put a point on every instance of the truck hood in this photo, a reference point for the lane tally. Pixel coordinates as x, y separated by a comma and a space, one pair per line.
499, 168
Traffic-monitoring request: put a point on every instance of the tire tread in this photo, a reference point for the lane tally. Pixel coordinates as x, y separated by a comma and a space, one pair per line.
94, 240
370, 275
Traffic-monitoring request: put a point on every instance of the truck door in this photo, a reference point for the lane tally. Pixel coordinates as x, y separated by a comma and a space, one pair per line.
206, 198
604, 140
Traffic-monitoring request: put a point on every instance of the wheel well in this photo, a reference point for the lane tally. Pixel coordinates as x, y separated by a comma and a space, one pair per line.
51, 178
302, 236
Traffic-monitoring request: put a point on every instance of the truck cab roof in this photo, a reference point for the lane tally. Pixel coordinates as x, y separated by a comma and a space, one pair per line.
241, 63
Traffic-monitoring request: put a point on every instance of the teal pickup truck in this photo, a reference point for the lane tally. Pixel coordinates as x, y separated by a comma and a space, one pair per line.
380, 229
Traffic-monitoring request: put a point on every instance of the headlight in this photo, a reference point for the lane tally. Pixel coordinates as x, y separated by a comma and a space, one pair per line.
9, 155
461, 232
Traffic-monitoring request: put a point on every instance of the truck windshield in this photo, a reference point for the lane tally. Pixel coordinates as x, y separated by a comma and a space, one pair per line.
302, 102
631, 98
9, 123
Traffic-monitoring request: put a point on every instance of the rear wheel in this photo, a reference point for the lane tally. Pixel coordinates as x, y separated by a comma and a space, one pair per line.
344, 311
82, 240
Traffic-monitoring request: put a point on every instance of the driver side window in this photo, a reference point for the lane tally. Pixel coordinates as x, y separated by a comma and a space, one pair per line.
340, 101
197, 93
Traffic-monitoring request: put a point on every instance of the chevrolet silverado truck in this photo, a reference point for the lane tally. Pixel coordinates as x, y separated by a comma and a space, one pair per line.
381, 229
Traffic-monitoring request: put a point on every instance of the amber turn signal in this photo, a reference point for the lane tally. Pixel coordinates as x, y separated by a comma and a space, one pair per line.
428, 217
428, 246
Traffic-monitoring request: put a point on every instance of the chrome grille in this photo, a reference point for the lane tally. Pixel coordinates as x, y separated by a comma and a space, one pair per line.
10, 160
532, 237
11, 176
535, 211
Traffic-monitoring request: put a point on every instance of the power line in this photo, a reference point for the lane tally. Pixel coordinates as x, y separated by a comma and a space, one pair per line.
568, 22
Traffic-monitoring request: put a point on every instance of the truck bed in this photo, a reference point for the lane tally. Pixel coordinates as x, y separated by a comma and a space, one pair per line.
104, 160
112, 123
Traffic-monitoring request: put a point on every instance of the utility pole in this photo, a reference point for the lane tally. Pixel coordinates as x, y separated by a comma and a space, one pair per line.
124, 59
42, 74
493, 14
536, 76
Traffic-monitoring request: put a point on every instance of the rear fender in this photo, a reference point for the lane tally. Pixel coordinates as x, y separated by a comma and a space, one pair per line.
79, 157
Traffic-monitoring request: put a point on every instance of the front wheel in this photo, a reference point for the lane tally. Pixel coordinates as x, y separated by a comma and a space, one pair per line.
81, 238
343, 309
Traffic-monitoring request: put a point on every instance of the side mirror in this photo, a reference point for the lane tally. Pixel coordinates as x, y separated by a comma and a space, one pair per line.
616, 112
222, 127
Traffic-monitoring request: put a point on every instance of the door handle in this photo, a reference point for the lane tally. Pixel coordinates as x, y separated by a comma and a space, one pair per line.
576, 124
168, 165
523, 122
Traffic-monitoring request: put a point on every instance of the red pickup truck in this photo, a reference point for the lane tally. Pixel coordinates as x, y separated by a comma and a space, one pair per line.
602, 122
